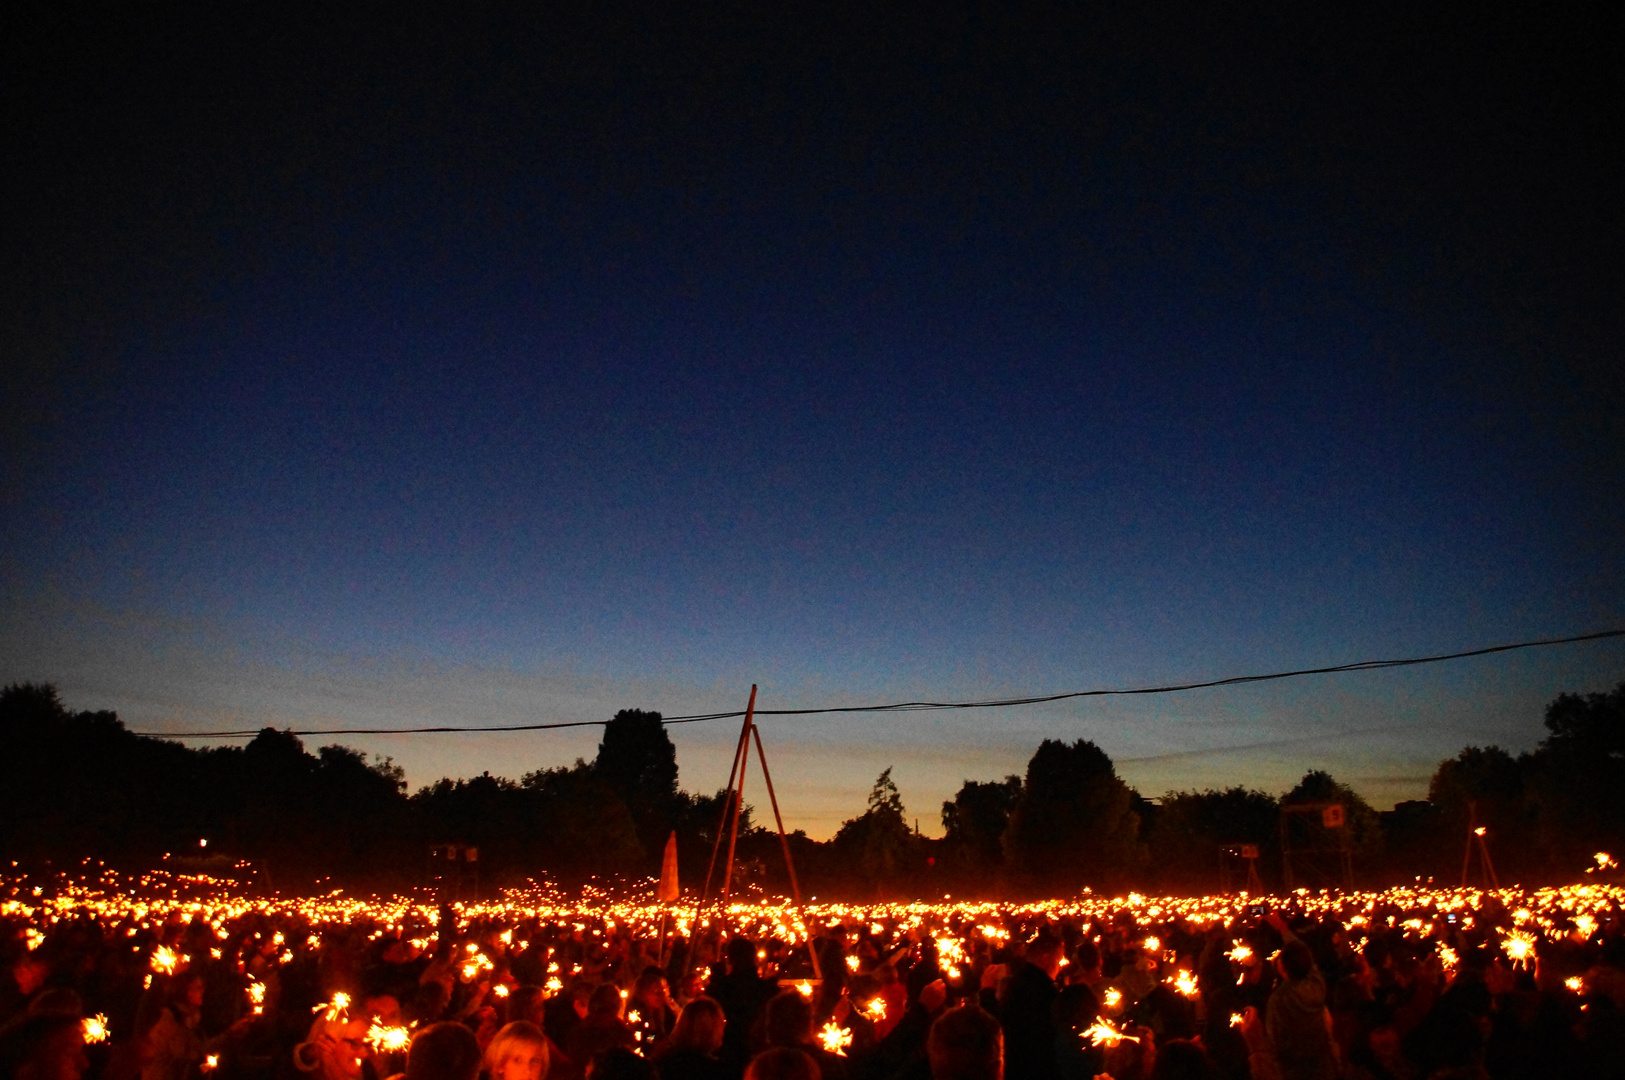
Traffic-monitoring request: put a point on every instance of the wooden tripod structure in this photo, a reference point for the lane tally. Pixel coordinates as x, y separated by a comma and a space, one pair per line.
733, 804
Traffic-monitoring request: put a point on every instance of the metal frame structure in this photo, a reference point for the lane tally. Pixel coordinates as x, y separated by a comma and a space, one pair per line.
1342, 851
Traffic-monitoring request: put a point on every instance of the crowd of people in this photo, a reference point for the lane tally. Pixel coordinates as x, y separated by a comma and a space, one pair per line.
1277, 991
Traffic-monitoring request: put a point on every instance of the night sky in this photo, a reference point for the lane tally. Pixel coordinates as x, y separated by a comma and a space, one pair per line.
392, 369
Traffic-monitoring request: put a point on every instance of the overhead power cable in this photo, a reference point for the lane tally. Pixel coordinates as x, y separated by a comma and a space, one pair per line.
921, 706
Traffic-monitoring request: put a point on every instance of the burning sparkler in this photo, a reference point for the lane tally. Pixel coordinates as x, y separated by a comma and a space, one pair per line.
94, 1028
834, 1038
1519, 946
337, 1009
388, 1040
1104, 1034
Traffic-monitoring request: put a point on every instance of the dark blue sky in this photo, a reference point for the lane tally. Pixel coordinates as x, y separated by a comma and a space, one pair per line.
530, 368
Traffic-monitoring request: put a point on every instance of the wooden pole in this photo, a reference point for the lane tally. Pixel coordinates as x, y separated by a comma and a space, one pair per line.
784, 842
1489, 867
741, 750
739, 797
1472, 833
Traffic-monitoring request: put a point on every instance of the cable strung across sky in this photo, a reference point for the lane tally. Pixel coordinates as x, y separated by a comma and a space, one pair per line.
926, 706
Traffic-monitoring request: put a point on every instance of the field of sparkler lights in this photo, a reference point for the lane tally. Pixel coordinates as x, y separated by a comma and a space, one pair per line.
154, 911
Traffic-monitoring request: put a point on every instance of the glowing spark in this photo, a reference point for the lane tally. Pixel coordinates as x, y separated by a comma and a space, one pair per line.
211, 1063
338, 1007
388, 1040
554, 985
1103, 1034
1113, 997
804, 988
834, 1038
1152, 944
875, 1010
164, 959
95, 1028
1241, 953
852, 963
1519, 946
1236, 1019
1575, 983
1185, 983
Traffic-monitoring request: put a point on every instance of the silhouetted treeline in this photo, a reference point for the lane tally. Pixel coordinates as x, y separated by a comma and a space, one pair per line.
78, 785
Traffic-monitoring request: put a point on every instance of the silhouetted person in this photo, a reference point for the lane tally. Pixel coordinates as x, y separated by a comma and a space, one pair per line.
444, 1051
1028, 1018
1183, 1059
42, 1047
691, 1052
742, 993
1296, 1017
966, 1043
789, 1024
619, 1063
782, 1063
603, 1029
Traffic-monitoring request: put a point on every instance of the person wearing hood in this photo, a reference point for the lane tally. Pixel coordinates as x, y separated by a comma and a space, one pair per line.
1296, 1025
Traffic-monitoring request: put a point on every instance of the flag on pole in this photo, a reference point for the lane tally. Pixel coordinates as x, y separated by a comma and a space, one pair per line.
668, 871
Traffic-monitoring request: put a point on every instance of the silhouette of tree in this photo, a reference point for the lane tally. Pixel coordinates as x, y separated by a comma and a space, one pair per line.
877, 842
974, 822
1361, 821
1075, 823
637, 761
1576, 779
589, 829
81, 785
1192, 828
